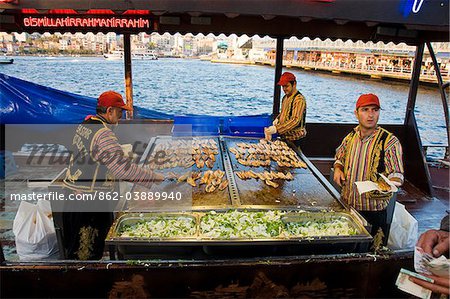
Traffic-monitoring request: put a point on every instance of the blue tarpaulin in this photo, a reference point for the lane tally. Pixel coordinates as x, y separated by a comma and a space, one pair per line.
202, 125
23, 102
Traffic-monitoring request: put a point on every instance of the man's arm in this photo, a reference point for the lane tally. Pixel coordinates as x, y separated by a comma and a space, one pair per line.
107, 150
394, 161
338, 176
298, 109
338, 165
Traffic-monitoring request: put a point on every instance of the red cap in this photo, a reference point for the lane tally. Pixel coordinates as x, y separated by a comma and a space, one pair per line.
367, 99
112, 99
286, 78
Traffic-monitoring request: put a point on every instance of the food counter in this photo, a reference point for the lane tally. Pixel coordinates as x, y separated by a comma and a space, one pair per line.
235, 196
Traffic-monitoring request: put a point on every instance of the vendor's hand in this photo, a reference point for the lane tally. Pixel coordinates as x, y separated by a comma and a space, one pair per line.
441, 284
275, 122
396, 181
339, 176
434, 242
267, 135
272, 130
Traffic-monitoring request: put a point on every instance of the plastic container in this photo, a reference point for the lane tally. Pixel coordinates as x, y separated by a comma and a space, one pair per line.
247, 126
196, 126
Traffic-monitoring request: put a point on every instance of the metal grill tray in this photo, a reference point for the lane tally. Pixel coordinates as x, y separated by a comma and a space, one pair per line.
304, 190
308, 189
192, 196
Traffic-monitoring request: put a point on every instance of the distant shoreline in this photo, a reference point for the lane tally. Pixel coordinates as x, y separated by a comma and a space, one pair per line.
85, 55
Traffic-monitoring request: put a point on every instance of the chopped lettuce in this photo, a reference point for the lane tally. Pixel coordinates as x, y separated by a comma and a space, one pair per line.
237, 224
160, 227
242, 224
318, 228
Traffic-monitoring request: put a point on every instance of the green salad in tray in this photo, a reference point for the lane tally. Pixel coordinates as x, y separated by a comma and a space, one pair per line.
160, 227
236, 224
320, 227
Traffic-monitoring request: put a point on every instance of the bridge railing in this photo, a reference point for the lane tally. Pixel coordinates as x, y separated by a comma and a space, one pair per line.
402, 71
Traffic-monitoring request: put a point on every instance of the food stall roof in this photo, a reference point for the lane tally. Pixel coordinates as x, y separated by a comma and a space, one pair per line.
409, 21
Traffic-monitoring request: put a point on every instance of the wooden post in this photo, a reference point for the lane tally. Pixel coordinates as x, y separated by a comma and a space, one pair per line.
2, 255
278, 69
414, 84
417, 169
128, 75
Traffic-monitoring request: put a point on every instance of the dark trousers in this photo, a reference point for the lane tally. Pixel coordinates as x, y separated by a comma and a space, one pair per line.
84, 234
81, 235
378, 219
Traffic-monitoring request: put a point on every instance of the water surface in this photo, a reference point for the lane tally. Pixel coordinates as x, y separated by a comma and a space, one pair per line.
187, 86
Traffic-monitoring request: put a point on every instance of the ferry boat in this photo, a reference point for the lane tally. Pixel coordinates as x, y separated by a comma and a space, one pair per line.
144, 55
140, 55
114, 55
5, 60
292, 274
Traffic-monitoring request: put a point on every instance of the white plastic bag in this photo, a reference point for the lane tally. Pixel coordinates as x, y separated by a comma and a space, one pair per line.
35, 232
404, 229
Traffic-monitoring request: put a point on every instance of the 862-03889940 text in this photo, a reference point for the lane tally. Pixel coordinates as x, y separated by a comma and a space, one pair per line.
98, 195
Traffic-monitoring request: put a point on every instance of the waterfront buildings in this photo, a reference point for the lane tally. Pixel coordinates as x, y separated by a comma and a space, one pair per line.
305, 53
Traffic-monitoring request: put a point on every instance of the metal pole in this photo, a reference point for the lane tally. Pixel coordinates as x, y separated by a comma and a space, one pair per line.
128, 75
415, 157
414, 84
278, 69
443, 94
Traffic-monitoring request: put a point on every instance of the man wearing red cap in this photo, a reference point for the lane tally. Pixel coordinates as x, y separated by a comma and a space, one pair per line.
290, 123
366, 152
96, 162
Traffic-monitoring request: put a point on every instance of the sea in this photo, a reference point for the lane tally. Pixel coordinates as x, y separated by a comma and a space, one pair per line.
190, 86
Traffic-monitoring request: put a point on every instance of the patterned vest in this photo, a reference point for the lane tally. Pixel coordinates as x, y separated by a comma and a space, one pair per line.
376, 159
301, 125
85, 173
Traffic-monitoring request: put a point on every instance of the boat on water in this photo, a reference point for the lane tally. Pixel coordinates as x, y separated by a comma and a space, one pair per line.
141, 55
6, 60
149, 55
329, 267
114, 55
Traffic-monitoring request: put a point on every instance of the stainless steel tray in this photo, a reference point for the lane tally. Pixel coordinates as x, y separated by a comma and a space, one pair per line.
305, 190
198, 239
206, 247
127, 219
193, 196
357, 228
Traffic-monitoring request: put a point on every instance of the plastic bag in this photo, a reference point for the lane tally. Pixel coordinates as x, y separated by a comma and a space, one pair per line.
404, 229
35, 232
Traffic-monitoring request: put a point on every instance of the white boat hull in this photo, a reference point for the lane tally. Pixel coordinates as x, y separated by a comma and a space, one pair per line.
134, 56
